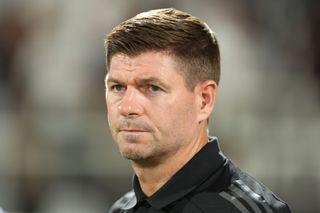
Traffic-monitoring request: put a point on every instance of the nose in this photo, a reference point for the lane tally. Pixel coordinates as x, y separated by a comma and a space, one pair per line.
130, 106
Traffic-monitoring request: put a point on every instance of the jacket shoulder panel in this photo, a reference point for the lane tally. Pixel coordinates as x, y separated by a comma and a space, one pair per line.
127, 201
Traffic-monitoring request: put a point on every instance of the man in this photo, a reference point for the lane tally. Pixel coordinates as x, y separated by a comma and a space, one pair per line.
163, 71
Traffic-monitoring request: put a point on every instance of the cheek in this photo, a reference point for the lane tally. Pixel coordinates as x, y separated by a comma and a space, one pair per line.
175, 116
111, 112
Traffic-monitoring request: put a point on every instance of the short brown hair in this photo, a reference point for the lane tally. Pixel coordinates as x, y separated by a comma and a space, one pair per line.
184, 36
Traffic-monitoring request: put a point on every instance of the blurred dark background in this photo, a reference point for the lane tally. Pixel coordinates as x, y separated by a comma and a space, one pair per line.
56, 152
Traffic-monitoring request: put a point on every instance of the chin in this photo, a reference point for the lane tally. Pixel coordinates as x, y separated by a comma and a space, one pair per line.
134, 156
132, 151
132, 138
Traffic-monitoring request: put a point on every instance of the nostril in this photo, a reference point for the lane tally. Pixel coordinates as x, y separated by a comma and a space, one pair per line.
130, 104
130, 109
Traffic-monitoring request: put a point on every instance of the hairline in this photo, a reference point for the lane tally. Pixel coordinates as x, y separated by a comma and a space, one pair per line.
180, 65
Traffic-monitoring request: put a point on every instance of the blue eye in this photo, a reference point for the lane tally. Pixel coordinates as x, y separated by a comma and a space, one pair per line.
154, 88
117, 88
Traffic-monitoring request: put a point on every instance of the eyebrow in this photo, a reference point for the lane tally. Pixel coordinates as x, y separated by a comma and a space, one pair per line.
109, 79
149, 80
152, 80
139, 81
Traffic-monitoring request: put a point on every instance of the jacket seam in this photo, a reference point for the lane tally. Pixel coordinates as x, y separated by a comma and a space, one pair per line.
196, 205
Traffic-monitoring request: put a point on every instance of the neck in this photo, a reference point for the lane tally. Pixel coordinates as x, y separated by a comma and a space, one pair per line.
154, 173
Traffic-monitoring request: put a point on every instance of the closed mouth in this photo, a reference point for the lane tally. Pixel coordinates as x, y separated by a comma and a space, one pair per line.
132, 130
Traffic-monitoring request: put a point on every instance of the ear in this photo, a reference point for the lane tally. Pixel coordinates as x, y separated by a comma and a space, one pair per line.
206, 96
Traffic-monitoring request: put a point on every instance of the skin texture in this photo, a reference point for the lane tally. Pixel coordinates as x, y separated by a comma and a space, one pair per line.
156, 121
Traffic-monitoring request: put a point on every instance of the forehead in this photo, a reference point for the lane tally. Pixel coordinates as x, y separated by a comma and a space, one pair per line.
147, 59
157, 64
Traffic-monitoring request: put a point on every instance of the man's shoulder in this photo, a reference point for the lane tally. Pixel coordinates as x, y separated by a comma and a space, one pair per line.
127, 201
245, 192
238, 197
253, 197
210, 201
242, 194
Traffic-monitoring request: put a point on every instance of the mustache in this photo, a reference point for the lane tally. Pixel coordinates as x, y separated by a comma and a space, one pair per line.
133, 124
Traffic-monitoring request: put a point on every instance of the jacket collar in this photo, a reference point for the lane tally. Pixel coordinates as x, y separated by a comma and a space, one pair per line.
203, 165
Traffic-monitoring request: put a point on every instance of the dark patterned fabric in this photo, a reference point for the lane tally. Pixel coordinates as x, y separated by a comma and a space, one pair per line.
209, 182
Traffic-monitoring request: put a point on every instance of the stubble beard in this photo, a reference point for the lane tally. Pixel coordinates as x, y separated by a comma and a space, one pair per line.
136, 147
135, 150
143, 152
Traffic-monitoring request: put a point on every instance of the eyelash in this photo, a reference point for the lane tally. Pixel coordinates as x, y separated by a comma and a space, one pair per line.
149, 88
114, 87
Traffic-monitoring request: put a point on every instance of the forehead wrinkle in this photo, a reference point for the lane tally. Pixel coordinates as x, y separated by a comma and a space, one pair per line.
143, 70
122, 62
130, 63
146, 79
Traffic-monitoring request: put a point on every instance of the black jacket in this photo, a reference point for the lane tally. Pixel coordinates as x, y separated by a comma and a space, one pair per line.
208, 183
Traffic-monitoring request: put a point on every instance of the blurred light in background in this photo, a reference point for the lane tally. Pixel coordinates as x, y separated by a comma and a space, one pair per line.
56, 152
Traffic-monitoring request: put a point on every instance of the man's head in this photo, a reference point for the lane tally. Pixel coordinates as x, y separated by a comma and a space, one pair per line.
163, 70
180, 34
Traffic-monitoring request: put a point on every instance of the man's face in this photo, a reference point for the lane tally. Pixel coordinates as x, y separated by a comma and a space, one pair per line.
151, 113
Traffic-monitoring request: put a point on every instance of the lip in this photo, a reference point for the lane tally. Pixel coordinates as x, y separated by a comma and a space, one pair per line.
132, 130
